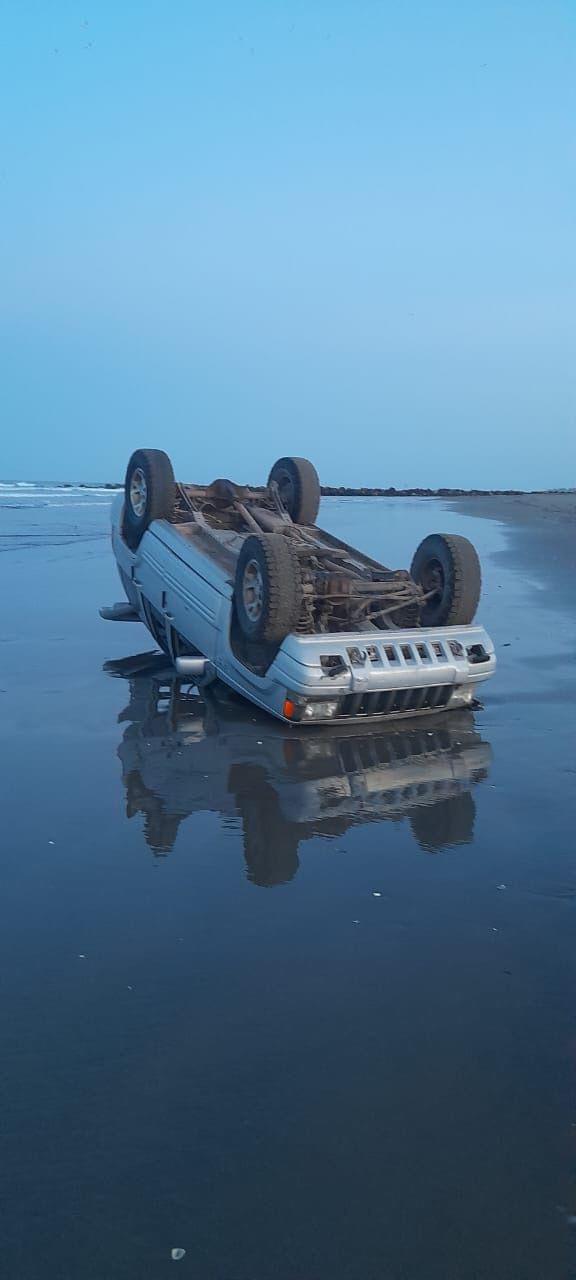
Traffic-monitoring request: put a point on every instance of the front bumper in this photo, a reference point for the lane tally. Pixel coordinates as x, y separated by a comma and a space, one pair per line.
388, 675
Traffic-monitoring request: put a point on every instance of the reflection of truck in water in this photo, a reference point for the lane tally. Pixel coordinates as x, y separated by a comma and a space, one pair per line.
182, 753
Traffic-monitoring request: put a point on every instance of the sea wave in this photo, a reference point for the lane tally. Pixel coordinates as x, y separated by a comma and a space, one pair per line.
30, 495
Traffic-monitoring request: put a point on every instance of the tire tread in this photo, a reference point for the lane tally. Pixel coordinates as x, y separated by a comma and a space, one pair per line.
161, 485
465, 575
307, 488
283, 584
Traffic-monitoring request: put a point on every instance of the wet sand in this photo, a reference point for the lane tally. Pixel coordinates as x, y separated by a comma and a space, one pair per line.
541, 528
300, 1004
525, 509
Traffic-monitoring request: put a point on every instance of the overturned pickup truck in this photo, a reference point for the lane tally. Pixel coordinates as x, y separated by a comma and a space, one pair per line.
240, 583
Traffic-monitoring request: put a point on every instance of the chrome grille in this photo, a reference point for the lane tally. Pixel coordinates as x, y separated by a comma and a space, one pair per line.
389, 702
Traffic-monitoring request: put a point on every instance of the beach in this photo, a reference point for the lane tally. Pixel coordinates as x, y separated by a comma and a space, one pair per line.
300, 1004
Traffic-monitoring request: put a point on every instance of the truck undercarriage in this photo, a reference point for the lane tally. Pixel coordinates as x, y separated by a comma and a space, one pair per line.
341, 589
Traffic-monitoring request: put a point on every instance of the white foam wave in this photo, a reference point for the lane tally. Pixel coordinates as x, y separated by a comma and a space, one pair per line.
27, 495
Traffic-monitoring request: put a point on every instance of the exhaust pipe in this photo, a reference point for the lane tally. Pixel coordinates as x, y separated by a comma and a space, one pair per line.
193, 668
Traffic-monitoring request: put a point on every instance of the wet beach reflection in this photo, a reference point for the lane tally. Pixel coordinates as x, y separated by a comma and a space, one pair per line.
185, 751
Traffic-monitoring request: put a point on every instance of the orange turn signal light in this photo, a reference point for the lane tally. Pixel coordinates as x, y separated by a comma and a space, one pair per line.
289, 709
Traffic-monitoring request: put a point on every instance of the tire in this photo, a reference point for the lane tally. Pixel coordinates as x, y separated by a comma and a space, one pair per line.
299, 488
149, 492
449, 563
268, 588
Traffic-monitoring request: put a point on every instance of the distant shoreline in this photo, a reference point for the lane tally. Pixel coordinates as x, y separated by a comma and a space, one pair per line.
330, 491
327, 491
344, 491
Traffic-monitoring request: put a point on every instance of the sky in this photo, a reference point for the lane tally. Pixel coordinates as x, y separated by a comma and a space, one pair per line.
343, 229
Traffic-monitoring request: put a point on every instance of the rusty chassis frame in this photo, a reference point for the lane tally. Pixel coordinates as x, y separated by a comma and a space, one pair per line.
342, 589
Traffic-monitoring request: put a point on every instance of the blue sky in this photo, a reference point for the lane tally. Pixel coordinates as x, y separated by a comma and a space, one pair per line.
339, 228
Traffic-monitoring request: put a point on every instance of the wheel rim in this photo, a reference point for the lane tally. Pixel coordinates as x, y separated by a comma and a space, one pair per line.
432, 580
253, 591
138, 492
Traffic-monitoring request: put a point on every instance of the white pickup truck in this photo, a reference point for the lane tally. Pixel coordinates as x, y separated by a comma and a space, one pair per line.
240, 583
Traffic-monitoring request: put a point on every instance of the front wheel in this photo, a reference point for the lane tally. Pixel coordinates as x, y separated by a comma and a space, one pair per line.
447, 568
268, 588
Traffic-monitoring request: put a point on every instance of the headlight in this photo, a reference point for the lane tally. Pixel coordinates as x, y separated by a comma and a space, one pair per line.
462, 695
317, 709
320, 710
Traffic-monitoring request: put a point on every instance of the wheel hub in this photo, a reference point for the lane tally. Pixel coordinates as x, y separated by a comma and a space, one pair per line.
286, 490
432, 580
138, 492
253, 590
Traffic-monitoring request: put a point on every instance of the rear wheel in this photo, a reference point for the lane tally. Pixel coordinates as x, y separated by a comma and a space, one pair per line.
299, 488
268, 587
149, 492
447, 568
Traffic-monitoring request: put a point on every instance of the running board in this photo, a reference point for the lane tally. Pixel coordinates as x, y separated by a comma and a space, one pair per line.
122, 612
